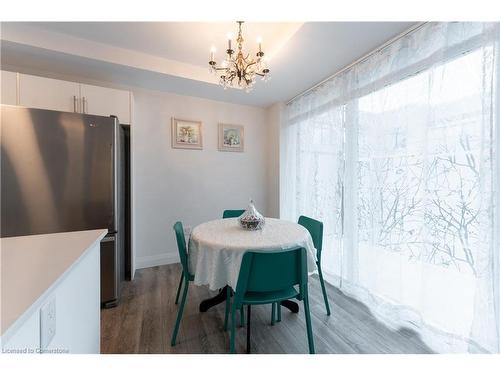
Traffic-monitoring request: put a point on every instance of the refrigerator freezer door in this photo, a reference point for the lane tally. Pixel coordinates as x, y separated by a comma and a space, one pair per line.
57, 171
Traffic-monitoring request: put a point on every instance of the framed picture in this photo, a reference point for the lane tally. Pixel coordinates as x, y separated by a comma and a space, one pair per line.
186, 134
231, 138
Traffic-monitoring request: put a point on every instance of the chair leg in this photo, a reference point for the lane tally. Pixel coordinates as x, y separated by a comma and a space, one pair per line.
310, 337
325, 296
179, 288
232, 336
249, 310
179, 313
242, 317
273, 313
228, 306
278, 319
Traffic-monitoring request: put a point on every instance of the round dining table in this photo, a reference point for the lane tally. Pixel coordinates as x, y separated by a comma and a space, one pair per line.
216, 250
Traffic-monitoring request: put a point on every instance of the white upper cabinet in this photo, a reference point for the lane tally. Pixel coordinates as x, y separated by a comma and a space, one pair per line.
65, 96
47, 93
104, 101
8, 94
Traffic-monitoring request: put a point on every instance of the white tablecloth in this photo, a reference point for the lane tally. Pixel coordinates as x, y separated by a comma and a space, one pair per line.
216, 248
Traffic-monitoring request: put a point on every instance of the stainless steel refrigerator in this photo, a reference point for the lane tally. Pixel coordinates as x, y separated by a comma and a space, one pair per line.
62, 172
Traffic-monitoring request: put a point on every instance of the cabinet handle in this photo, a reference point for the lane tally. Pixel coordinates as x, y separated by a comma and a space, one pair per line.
84, 110
74, 103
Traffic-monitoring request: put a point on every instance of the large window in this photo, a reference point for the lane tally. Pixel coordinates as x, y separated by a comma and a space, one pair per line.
424, 200
399, 159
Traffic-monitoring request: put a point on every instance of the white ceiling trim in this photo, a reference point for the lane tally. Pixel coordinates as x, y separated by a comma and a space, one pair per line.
36, 37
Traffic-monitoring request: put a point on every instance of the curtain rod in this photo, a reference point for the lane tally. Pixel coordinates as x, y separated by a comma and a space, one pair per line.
362, 58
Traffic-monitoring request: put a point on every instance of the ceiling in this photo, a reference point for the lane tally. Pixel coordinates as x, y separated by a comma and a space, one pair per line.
173, 56
189, 42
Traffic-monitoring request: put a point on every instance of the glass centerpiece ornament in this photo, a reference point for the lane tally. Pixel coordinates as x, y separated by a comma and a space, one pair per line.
238, 69
251, 219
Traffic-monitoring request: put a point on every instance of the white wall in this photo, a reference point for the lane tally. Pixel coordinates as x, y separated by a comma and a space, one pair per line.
191, 185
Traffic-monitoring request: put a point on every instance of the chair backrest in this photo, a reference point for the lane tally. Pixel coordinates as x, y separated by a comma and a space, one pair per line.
315, 228
232, 213
181, 246
271, 271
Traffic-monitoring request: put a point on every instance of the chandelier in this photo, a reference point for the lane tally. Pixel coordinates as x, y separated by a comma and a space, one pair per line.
238, 70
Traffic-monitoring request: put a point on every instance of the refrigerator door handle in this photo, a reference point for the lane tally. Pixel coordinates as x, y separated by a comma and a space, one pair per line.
75, 100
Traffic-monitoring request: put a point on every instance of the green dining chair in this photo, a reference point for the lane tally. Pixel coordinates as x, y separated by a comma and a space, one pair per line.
232, 213
315, 228
268, 277
182, 249
186, 277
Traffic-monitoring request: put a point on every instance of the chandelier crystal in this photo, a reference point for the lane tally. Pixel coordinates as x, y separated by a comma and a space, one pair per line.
238, 70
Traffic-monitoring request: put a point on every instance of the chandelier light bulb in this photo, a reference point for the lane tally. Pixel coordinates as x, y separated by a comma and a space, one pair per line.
229, 40
212, 54
259, 40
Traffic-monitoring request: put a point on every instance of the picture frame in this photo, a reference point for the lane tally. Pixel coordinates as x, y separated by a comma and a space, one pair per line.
231, 137
187, 134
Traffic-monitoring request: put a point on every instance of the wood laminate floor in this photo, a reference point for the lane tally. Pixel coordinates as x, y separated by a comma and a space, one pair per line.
143, 322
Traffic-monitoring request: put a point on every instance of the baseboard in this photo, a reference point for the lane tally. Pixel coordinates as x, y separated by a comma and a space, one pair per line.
156, 260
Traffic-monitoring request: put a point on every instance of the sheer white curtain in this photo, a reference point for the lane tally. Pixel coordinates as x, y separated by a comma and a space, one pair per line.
399, 157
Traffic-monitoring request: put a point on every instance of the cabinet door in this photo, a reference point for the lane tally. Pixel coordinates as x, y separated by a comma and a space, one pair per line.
47, 93
104, 101
8, 95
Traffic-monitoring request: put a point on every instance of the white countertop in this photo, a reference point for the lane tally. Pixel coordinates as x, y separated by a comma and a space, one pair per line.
30, 265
